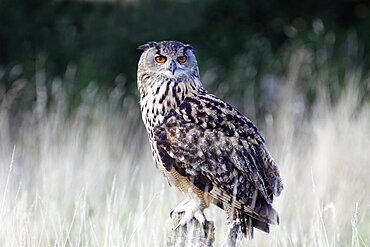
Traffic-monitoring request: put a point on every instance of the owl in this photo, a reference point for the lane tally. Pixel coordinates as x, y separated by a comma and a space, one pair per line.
203, 145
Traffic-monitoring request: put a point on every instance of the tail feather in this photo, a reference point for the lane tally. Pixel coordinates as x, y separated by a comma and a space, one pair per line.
263, 226
245, 222
264, 211
261, 211
248, 223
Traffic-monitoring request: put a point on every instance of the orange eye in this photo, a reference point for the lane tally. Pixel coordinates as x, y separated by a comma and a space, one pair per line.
182, 59
160, 59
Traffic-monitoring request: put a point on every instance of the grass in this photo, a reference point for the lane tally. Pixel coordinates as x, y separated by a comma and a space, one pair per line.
89, 180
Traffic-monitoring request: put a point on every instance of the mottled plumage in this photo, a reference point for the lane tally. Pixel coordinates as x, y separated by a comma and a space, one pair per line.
212, 152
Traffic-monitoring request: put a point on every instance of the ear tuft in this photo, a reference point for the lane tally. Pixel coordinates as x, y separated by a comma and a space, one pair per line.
146, 46
187, 46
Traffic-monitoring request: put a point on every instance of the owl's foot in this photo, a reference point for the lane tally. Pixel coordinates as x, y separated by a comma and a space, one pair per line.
189, 209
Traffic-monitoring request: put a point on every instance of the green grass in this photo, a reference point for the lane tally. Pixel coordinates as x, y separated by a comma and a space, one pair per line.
89, 180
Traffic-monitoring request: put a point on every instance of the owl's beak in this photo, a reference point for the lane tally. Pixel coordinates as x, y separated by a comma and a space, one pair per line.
173, 67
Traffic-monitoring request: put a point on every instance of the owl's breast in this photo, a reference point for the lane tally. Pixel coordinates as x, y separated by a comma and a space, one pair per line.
162, 97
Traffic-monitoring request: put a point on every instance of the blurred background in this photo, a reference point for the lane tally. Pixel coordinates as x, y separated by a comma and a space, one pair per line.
241, 46
75, 164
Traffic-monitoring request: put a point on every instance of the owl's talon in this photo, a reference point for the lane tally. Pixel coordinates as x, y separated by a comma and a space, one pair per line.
199, 216
190, 209
177, 226
179, 209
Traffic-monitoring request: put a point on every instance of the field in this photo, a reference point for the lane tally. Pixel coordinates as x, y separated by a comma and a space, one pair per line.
87, 178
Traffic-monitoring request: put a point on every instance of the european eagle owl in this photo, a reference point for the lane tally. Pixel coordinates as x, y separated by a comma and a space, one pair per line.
204, 146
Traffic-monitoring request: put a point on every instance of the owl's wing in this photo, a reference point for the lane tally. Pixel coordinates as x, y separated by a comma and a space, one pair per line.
221, 151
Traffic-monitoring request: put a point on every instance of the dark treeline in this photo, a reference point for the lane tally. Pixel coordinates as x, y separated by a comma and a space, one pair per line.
99, 39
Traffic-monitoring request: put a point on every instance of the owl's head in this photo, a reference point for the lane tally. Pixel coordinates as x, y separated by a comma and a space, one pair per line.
168, 59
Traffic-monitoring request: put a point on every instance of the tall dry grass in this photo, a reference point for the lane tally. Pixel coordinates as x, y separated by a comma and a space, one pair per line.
89, 180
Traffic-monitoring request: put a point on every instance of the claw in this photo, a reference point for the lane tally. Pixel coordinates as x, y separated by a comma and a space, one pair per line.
190, 209
198, 215
177, 226
179, 208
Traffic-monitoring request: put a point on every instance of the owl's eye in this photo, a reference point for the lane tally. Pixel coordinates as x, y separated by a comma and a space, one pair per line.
182, 59
160, 59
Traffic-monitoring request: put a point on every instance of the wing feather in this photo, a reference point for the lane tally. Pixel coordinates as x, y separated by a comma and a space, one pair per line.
207, 137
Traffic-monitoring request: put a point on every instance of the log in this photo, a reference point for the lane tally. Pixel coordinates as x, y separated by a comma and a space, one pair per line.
191, 234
